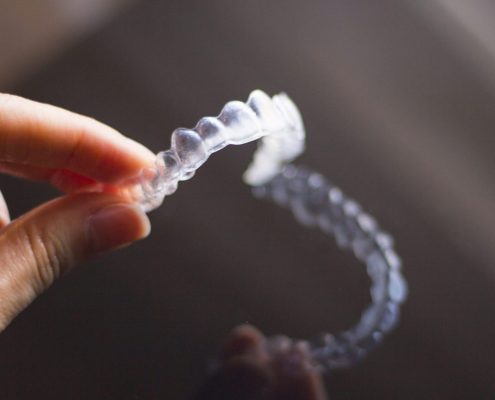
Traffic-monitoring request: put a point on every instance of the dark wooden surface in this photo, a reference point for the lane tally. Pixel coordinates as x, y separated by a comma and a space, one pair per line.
144, 322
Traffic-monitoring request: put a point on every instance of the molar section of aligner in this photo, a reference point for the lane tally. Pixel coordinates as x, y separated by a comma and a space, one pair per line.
290, 112
316, 197
292, 142
390, 317
241, 122
262, 169
276, 147
364, 243
397, 287
347, 231
368, 322
158, 181
168, 165
331, 216
311, 201
298, 189
380, 268
213, 133
190, 150
168, 170
269, 114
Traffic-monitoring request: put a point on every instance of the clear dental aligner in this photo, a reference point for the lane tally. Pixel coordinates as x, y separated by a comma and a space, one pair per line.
275, 120
316, 202
313, 200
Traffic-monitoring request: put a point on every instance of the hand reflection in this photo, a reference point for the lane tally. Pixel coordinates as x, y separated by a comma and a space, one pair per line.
249, 371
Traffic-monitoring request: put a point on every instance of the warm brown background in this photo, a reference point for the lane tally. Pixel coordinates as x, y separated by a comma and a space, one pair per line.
399, 104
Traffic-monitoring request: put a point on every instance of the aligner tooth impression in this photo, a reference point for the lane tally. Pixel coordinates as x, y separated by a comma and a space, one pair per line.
241, 121
277, 121
313, 200
190, 148
212, 131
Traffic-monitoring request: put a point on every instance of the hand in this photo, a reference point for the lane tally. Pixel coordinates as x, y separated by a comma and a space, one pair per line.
249, 371
75, 154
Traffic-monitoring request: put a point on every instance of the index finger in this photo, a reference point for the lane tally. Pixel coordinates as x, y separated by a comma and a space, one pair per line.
46, 136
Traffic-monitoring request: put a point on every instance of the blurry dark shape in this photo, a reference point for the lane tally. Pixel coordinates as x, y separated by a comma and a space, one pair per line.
33, 33
252, 370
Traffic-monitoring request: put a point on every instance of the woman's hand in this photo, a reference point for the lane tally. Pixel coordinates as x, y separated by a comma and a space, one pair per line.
75, 154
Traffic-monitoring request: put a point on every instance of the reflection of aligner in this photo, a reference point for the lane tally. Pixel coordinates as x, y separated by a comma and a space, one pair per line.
276, 120
316, 202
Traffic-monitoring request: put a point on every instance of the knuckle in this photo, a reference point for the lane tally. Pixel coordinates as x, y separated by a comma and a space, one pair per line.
75, 153
48, 254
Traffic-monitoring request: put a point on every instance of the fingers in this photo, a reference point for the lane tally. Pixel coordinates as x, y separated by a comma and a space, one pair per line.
243, 373
256, 368
42, 245
63, 179
26, 171
4, 212
47, 137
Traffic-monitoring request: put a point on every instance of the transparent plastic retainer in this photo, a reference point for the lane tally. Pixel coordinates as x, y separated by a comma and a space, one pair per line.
275, 120
314, 201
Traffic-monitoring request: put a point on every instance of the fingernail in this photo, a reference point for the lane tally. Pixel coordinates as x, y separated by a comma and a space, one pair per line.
116, 226
4, 212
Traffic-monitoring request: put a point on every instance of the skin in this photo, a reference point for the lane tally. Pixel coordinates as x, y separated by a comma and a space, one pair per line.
76, 154
253, 368
89, 162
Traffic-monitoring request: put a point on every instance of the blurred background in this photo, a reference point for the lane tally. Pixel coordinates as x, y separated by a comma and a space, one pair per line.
398, 99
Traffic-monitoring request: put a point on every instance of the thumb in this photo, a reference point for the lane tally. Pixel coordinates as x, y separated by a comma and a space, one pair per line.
40, 246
